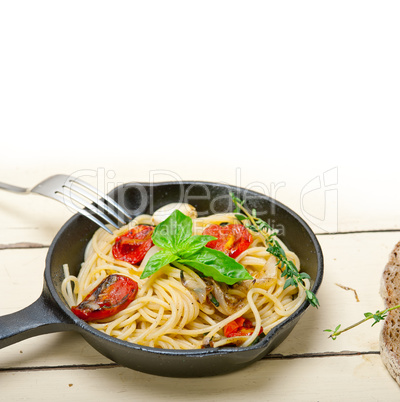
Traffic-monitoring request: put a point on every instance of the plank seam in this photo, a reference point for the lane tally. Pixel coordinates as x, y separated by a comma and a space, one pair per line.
115, 365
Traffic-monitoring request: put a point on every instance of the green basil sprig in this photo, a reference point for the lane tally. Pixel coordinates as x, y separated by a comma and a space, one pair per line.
174, 237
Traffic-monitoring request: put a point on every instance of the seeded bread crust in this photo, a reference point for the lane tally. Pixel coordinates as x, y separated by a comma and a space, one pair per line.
390, 334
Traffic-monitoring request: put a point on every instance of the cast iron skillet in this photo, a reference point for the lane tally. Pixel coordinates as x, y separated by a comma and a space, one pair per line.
50, 313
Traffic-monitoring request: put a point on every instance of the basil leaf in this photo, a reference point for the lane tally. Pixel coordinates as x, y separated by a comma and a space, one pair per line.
170, 233
193, 245
174, 236
218, 265
158, 261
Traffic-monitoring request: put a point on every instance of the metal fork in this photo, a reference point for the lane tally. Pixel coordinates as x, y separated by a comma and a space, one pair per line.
80, 196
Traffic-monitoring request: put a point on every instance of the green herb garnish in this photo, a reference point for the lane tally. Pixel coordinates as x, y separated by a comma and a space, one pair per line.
380, 315
289, 269
258, 339
174, 237
214, 300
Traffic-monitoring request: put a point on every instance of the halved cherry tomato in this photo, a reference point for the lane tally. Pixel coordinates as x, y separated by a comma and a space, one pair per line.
111, 296
133, 245
231, 239
239, 327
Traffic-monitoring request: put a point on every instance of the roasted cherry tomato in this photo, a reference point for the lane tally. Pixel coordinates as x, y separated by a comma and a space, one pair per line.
231, 239
239, 327
111, 296
133, 245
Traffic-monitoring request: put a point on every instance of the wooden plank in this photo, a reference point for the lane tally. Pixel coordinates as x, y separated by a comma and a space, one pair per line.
349, 260
304, 379
30, 218
22, 277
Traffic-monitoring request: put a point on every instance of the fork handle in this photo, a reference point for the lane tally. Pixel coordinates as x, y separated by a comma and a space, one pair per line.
14, 189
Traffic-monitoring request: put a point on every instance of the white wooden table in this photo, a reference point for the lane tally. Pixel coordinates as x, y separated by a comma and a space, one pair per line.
321, 368
298, 100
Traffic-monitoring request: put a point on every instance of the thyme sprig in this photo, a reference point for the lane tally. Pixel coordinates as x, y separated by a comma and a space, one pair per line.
379, 315
289, 269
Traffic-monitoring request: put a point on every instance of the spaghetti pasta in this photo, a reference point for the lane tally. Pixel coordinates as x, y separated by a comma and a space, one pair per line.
176, 307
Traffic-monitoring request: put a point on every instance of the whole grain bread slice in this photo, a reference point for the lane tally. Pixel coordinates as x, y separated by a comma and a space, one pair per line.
389, 341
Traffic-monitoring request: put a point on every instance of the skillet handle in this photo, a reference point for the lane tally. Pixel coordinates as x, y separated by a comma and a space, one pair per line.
41, 317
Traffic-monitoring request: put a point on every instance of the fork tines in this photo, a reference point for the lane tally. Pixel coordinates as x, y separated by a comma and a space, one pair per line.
89, 201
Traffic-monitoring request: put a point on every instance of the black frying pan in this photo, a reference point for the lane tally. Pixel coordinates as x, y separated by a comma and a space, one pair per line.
50, 313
